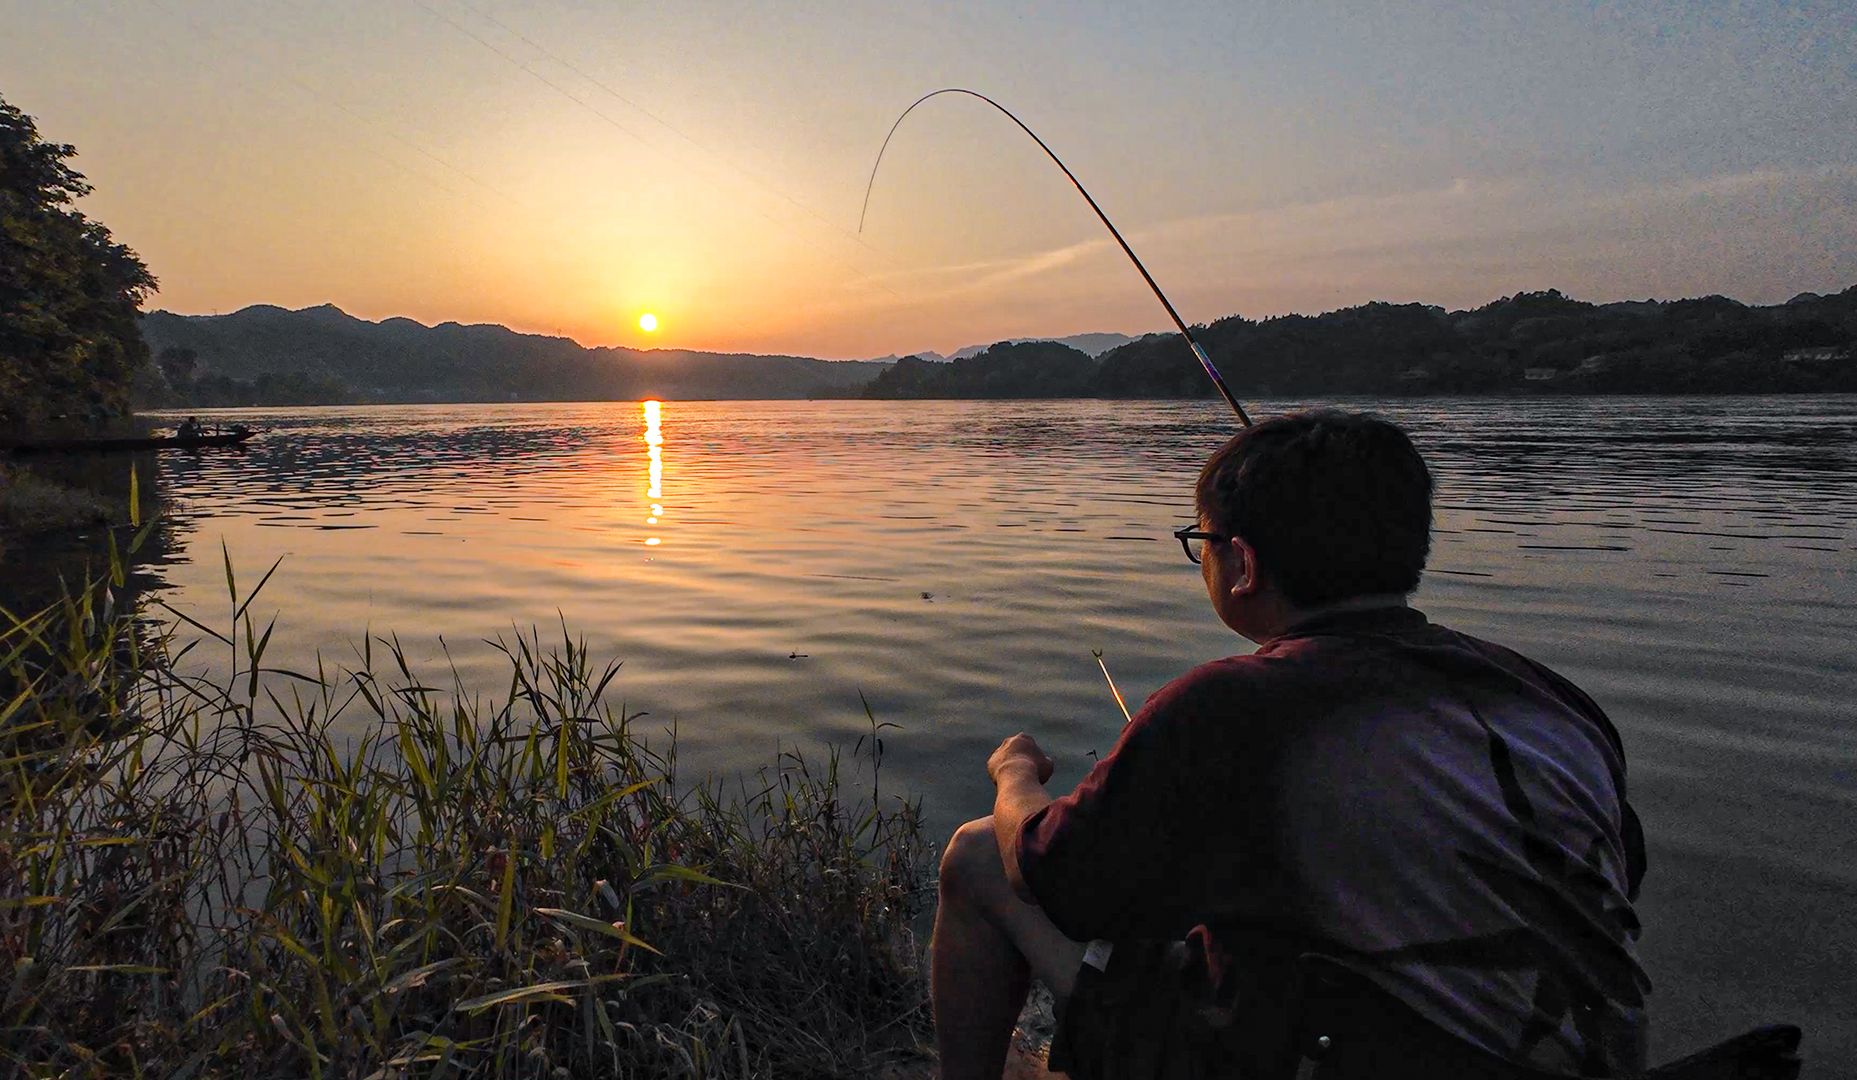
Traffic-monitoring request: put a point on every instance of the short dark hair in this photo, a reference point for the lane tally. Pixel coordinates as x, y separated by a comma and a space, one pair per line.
1336, 504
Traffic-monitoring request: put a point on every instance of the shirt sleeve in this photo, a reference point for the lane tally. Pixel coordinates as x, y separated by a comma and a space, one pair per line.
1631, 830
1092, 857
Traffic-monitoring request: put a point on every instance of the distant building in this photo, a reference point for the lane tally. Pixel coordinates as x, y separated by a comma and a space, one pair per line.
1818, 354
1415, 374
1596, 363
1540, 374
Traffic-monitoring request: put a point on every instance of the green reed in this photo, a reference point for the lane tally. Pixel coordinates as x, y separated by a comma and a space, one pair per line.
222, 868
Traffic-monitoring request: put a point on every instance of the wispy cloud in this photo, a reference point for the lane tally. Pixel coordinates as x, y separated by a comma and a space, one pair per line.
1528, 218
955, 279
1760, 235
1765, 233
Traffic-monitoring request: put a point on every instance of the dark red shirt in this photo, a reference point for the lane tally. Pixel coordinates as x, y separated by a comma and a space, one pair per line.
1443, 813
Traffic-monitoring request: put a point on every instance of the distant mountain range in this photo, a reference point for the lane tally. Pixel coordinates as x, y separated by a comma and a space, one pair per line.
400, 360
1542, 342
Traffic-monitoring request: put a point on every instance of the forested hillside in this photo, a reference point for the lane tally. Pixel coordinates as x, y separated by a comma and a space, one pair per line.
1006, 370
1540, 342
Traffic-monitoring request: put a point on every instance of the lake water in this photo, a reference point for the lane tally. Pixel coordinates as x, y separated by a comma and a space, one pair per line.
1692, 563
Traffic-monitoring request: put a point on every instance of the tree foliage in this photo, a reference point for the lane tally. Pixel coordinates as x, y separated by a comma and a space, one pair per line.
178, 364
1025, 369
69, 293
1532, 342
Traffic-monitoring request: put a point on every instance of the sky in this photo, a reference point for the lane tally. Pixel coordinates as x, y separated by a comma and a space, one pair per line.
562, 166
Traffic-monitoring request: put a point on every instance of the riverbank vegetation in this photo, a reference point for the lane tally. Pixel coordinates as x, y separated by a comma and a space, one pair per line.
211, 866
30, 504
56, 513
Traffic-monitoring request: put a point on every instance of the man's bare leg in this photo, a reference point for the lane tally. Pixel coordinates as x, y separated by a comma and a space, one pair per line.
987, 945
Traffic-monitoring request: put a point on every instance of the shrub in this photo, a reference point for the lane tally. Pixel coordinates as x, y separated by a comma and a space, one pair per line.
29, 504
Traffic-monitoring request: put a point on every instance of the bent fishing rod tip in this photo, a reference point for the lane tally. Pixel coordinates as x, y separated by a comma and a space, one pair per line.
1199, 353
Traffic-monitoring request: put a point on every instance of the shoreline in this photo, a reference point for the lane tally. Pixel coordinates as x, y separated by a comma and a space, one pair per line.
1505, 394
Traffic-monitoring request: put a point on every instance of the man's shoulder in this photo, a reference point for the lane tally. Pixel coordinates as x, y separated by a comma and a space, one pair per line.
1252, 682
1522, 665
1292, 671
1283, 665
1227, 673
1513, 667
1411, 639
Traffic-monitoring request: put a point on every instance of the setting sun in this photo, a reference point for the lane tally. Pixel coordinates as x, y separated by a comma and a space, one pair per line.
648, 322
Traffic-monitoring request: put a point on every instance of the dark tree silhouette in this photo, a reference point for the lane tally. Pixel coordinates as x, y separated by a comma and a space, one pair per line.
69, 293
1025, 369
1533, 343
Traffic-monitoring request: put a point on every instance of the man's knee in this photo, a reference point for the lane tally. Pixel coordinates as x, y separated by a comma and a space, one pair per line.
970, 864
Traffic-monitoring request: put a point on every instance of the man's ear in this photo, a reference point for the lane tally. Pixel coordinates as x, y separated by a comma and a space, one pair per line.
1249, 578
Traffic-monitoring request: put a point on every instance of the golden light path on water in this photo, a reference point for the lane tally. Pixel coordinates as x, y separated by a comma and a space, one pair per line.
654, 469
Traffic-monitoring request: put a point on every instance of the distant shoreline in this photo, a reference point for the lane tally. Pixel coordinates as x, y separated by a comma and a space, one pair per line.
177, 411
1525, 345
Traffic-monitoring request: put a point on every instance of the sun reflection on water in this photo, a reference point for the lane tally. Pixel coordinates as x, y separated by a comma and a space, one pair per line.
654, 451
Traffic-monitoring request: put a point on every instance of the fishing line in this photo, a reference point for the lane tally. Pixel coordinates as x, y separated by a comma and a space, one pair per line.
740, 173
1199, 352
538, 76
381, 128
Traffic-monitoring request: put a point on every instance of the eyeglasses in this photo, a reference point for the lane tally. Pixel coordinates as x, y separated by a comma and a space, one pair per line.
1187, 535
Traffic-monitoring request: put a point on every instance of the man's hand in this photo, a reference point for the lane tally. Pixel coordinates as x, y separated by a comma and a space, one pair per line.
1017, 752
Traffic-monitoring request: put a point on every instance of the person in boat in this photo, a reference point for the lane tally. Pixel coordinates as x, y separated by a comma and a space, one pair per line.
190, 428
1441, 817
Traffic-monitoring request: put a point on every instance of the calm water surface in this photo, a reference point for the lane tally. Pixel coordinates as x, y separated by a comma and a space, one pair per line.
1690, 562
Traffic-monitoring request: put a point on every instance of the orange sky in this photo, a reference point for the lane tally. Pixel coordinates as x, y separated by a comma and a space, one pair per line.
563, 168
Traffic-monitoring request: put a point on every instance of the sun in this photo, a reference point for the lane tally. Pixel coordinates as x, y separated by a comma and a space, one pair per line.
648, 322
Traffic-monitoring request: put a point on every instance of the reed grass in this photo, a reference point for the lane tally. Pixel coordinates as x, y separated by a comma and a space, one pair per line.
212, 866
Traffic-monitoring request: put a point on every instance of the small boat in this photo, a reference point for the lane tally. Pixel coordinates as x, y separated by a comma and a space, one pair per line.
145, 442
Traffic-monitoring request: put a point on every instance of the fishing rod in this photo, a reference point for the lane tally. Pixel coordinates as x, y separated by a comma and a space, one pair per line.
1120, 704
1199, 351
